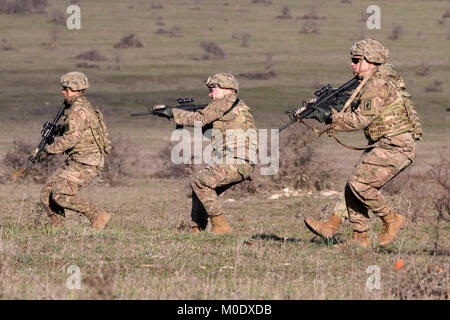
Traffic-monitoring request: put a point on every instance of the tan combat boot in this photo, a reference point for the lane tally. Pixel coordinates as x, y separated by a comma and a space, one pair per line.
56, 220
220, 225
101, 220
360, 239
325, 229
392, 223
195, 230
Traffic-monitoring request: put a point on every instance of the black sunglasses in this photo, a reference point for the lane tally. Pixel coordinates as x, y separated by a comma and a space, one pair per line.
356, 60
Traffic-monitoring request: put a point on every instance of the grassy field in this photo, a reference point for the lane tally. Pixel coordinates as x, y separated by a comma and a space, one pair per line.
145, 252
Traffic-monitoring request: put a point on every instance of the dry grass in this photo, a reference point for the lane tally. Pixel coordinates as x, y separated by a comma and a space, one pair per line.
270, 255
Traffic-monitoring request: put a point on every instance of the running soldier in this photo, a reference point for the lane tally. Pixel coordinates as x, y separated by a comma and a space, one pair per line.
382, 108
84, 138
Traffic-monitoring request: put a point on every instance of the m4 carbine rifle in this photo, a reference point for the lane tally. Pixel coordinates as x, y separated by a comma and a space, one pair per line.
48, 133
327, 98
183, 104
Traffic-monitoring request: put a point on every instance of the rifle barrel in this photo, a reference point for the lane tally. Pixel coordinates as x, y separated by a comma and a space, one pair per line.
286, 125
141, 113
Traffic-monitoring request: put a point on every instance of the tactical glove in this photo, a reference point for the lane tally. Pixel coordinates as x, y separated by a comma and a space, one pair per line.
60, 129
163, 111
44, 155
322, 115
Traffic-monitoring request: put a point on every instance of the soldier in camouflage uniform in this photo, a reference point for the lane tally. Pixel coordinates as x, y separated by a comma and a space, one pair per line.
383, 109
84, 138
235, 147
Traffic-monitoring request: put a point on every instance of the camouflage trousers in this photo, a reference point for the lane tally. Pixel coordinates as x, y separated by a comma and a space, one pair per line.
208, 184
362, 191
61, 190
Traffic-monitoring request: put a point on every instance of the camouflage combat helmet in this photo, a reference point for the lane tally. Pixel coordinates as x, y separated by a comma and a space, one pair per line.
223, 80
76, 81
371, 50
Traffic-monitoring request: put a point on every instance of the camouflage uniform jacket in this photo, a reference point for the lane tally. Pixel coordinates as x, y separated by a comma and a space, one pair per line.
236, 127
80, 137
379, 109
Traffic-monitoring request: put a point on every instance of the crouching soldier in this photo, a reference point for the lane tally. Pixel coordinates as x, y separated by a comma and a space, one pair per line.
235, 146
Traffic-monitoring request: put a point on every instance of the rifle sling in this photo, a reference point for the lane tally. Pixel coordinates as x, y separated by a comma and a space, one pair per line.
331, 133
232, 106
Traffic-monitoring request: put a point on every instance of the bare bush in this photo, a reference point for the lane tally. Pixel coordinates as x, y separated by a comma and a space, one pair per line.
428, 194
57, 17
441, 197
212, 49
157, 5
129, 41
91, 55
173, 32
436, 86
5, 46
364, 15
312, 15
87, 65
171, 170
358, 36
422, 70
16, 162
53, 39
117, 167
23, 7
421, 36
266, 75
262, 1
243, 37
431, 283
285, 13
296, 167
309, 27
396, 32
